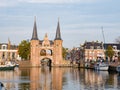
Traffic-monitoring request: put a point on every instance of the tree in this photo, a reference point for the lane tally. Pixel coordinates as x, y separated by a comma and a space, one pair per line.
109, 52
24, 49
118, 40
64, 52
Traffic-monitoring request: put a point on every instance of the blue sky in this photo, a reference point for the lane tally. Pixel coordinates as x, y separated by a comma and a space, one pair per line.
80, 20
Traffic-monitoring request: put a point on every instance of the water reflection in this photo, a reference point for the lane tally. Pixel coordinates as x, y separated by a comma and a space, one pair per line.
59, 79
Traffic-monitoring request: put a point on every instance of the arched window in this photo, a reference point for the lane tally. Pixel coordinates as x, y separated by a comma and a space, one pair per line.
43, 52
49, 52
13, 55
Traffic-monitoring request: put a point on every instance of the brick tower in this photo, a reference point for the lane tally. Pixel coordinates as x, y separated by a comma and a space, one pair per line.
57, 56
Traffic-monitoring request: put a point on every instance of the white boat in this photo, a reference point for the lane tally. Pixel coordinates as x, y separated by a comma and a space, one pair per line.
7, 66
101, 66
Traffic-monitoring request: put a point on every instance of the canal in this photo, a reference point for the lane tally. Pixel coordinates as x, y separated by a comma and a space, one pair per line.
59, 79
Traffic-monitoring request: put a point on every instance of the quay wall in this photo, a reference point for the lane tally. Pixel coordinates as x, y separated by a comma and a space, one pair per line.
65, 63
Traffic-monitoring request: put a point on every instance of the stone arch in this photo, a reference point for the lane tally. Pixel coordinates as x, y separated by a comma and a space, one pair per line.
46, 62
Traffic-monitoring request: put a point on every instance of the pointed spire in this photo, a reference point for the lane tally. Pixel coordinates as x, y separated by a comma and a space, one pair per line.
34, 34
58, 34
46, 37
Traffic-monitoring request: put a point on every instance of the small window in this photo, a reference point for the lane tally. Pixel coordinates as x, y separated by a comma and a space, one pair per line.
98, 47
115, 47
91, 47
4, 47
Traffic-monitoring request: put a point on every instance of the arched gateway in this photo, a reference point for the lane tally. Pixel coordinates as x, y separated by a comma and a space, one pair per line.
46, 50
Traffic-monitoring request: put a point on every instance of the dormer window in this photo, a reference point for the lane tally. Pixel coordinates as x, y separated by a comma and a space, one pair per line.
91, 47
4, 47
98, 47
115, 47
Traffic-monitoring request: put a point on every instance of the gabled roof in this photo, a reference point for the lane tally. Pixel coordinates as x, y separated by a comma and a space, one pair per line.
95, 45
12, 47
111, 44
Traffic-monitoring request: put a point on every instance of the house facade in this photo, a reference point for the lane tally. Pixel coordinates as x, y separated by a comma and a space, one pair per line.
93, 51
116, 49
8, 52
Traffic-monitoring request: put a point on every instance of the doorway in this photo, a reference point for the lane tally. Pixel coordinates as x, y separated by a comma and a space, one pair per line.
46, 62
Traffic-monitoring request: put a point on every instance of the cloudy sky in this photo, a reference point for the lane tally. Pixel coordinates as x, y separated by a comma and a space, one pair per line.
80, 20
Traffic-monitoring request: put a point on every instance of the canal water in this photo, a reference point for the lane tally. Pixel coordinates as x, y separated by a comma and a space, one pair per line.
59, 79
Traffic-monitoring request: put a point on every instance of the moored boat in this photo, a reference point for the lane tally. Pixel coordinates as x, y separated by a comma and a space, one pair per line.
7, 66
101, 66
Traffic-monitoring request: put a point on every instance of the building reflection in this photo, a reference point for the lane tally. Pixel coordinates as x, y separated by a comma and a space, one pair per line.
9, 78
45, 78
114, 80
34, 78
57, 75
95, 79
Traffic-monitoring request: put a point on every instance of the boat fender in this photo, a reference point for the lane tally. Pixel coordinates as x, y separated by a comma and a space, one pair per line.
118, 68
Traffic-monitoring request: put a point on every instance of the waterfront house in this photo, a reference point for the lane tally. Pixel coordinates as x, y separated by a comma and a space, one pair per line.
116, 49
8, 52
93, 51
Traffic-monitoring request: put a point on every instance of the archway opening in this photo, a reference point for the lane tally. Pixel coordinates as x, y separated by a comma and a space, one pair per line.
49, 52
43, 52
46, 62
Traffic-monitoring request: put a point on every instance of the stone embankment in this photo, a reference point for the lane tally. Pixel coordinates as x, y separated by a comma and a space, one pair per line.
25, 63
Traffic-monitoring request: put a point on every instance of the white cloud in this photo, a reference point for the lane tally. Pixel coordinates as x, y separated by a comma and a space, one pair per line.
92, 25
8, 3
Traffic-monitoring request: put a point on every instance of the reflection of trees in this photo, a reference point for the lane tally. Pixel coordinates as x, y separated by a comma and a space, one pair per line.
25, 72
25, 86
59, 78
111, 79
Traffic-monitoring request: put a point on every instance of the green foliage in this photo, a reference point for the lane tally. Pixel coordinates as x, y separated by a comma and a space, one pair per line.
24, 49
109, 52
64, 52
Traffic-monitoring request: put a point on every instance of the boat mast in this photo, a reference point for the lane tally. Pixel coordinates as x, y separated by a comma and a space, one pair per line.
8, 49
103, 34
104, 47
